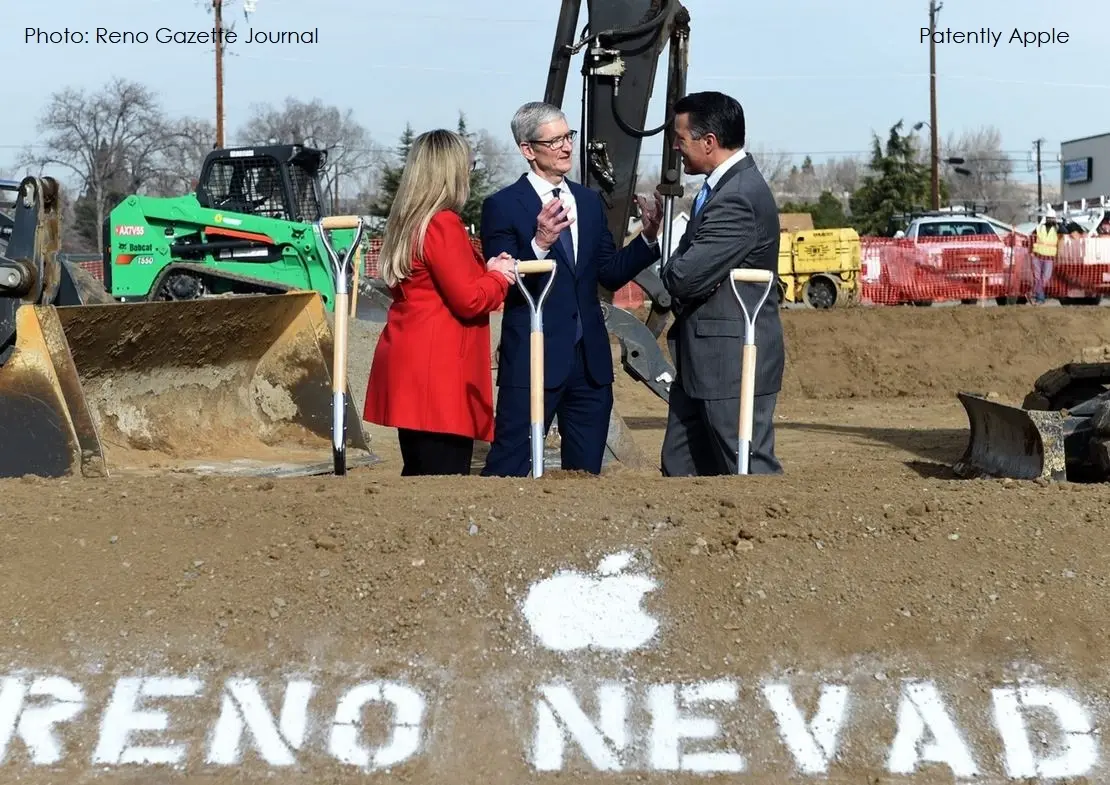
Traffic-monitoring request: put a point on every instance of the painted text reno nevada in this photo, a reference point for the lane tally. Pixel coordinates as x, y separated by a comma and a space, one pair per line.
1025, 729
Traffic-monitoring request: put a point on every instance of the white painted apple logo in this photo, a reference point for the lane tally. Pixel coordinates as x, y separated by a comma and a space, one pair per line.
572, 610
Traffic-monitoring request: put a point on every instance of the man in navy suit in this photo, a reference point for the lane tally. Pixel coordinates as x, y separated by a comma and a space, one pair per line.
540, 215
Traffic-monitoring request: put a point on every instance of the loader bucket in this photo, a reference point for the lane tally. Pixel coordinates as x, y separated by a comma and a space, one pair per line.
1006, 441
237, 385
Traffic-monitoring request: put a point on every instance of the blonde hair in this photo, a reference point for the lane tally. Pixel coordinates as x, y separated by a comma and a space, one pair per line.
436, 177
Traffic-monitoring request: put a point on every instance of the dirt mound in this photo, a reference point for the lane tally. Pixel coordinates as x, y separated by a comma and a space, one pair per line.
901, 352
933, 352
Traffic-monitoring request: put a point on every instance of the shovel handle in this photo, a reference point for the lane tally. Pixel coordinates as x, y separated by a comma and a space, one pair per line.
340, 222
535, 362
747, 392
535, 266
751, 275
342, 315
339, 385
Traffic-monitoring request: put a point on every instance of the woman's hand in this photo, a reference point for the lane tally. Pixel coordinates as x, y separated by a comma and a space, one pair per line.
504, 264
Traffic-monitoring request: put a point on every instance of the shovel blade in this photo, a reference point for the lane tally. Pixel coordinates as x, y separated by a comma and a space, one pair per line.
1006, 441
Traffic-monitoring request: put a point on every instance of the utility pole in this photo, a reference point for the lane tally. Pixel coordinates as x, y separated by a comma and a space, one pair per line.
934, 8
1040, 194
217, 8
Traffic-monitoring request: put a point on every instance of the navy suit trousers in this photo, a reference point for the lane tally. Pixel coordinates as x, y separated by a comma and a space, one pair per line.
583, 408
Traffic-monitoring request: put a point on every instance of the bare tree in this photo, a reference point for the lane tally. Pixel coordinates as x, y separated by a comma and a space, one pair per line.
111, 141
988, 182
350, 149
840, 175
189, 141
501, 158
773, 164
364, 190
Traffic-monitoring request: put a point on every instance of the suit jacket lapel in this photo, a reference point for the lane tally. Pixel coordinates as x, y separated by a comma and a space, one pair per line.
695, 220
744, 163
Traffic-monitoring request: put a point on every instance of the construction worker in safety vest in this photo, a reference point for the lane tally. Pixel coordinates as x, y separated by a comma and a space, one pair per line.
1044, 254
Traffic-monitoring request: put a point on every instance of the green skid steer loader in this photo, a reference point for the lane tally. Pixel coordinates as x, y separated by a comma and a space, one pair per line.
246, 230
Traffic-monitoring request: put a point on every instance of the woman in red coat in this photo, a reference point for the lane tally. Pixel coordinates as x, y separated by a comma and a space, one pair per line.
431, 376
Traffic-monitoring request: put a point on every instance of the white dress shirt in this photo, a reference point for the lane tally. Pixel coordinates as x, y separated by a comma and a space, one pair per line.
544, 191
719, 172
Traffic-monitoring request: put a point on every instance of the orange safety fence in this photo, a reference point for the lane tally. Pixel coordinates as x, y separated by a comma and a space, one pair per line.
978, 267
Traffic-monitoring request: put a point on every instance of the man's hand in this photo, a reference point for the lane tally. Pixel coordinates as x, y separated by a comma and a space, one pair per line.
552, 220
651, 216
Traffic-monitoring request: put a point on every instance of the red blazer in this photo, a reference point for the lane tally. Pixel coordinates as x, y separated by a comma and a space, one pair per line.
431, 368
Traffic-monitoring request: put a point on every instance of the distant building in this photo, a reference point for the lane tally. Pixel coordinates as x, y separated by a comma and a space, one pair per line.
1085, 168
795, 222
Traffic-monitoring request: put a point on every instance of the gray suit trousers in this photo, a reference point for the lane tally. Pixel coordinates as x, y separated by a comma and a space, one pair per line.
703, 436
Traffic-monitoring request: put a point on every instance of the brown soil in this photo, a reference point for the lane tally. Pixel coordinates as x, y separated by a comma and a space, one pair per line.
866, 565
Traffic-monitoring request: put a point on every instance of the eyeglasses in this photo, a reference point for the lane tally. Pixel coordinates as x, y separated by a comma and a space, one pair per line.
555, 144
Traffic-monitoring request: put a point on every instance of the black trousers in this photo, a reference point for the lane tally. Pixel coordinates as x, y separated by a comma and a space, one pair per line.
425, 453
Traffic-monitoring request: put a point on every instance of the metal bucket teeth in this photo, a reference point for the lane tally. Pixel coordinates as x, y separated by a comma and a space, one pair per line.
1006, 441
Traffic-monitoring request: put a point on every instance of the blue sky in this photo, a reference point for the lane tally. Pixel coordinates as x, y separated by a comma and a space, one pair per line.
815, 76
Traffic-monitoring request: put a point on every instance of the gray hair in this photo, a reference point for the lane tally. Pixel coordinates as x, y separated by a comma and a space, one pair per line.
531, 116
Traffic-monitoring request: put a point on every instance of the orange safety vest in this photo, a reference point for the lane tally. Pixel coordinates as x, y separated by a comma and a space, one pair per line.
1045, 244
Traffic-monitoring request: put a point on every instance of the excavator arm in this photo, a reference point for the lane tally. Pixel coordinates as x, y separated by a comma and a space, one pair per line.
622, 43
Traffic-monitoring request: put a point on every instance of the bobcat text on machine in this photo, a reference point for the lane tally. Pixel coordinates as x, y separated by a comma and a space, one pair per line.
92, 387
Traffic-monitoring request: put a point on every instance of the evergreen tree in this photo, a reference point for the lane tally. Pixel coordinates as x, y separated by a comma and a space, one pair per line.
827, 212
391, 175
480, 181
897, 183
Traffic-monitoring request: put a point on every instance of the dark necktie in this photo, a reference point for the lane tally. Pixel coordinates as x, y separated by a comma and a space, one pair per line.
568, 247
565, 240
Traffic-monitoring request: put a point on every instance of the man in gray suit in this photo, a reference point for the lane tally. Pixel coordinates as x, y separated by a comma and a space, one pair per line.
735, 223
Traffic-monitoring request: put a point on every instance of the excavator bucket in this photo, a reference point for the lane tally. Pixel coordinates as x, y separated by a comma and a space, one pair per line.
237, 385
1006, 441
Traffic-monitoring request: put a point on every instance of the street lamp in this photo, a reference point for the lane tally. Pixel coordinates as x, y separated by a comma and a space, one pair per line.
954, 161
935, 158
